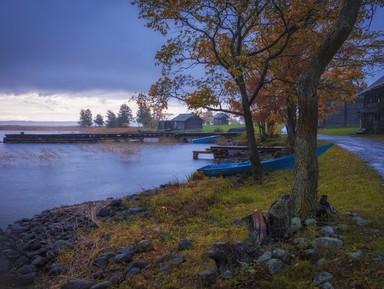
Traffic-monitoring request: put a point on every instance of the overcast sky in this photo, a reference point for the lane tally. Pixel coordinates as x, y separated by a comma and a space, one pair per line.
60, 56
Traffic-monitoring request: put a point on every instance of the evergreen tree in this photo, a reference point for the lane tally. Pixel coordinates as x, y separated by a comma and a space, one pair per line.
111, 119
144, 116
85, 118
124, 116
99, 120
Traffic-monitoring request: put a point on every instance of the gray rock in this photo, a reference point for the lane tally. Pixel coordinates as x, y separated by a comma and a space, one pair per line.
101, 262
5, 266
343, 227
178, 260
22, 261
136, 210
26, 279
327, 285
133, 271
266, 256
226, 274
117, 278
274, 266
56, 269
62, 245
310, 222
207, 278
144, 246
322, 277
184, 244
281, 254
104, 212
326, 245
359, 221
355, 255
102, 285
32, 245
27, 269
301, 243
38, 261
327, 231
378, 259
142, 265
296, 224
125, 255
165, 268
78, 284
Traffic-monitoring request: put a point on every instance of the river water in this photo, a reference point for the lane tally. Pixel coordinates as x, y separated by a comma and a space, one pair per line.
36, 177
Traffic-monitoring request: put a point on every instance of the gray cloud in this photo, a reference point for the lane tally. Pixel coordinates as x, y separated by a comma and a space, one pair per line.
75, 45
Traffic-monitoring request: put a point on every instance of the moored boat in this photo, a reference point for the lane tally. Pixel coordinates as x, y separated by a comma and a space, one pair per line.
207, 139
283, 163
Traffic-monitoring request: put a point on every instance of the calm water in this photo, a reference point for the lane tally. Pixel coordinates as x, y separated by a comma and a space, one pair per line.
35, 177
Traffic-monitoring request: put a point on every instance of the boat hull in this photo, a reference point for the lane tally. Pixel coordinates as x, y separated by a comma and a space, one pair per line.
208, 139
283, 163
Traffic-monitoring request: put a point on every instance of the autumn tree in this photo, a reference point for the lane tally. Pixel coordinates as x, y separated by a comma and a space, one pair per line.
232, 41
85, 118
342, 77
304, 192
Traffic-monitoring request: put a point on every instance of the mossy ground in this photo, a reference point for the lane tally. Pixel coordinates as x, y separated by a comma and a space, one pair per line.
204, 210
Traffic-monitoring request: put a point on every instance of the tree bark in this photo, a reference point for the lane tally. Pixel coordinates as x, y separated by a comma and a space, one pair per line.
291, 126
254, 157
304, 192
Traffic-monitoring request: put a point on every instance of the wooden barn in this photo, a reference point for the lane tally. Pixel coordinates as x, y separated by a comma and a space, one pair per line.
182, 122
220, 119
372, 112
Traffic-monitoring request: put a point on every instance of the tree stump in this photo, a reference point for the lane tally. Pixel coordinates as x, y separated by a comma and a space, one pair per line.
325, 208
257, 227
279, 219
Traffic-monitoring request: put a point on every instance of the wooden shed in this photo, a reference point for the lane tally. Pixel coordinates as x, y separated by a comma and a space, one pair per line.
220, 119
182, 122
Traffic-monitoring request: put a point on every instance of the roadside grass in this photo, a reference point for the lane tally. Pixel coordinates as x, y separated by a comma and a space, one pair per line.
344, 131
338, 131
209, 210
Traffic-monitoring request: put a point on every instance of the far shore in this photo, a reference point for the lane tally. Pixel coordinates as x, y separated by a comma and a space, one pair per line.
93, 129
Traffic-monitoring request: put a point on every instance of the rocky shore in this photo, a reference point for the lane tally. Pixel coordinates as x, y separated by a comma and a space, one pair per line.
29, 249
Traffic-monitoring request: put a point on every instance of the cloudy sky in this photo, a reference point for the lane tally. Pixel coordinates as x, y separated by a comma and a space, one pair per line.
60, 56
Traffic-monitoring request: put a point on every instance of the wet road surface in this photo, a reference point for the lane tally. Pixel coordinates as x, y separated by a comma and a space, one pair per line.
369, 150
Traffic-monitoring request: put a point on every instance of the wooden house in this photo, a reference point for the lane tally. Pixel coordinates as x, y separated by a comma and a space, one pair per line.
182, 122
344, 115
220, 119
372, 112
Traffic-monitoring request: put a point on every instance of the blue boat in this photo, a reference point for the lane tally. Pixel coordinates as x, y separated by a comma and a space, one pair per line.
207, 139
283, 163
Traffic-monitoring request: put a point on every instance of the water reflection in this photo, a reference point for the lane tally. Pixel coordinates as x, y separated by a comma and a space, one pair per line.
35, 177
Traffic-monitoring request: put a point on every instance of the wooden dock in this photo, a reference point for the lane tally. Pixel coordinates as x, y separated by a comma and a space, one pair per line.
228, 151
95, 138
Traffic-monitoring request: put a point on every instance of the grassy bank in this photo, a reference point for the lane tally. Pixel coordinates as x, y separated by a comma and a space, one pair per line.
208, 210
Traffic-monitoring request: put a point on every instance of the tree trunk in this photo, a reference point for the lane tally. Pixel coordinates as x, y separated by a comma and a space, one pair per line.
304, 192
254, 158
291, 126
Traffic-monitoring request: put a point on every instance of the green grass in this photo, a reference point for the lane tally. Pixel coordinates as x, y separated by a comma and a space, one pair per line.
204, 210
338, 131
222, 128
